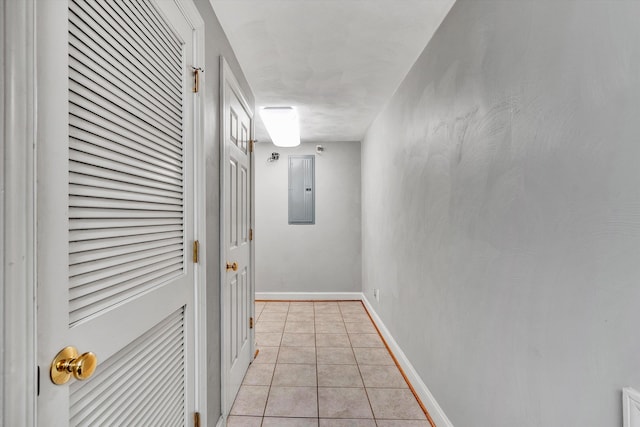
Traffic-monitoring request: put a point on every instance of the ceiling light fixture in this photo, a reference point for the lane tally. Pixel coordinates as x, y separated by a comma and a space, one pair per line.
282, 125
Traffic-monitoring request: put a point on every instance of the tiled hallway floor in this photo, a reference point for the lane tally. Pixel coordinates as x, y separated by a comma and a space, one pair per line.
322, 364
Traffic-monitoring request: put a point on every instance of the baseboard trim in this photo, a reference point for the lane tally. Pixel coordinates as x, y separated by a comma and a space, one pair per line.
220, 422
307, 296
420, 388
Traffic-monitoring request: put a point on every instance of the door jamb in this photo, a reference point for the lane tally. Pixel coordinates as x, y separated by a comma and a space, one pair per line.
17, 214
227, 74
194, 18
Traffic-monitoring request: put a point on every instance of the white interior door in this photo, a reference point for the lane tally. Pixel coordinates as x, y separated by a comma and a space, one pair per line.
115, 210
237, 287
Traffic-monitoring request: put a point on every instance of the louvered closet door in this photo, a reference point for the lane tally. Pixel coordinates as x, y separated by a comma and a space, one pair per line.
119, 279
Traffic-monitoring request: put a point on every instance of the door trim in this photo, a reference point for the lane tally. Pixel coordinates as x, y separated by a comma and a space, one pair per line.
17, 214
227, 75
194, 18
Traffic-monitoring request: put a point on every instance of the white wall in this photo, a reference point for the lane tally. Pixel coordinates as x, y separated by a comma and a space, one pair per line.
324, 257
501, 212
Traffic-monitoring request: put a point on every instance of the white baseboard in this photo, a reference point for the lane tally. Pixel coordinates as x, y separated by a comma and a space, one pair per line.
220, 422
436, 412
311, 296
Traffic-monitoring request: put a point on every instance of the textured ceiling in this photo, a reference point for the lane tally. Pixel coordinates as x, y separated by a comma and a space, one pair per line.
337, 61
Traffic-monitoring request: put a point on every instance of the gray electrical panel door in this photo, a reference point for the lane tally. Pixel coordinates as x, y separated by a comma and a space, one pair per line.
302, 203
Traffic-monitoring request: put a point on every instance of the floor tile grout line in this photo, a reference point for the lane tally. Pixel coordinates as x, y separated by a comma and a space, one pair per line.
275, 364
360, 372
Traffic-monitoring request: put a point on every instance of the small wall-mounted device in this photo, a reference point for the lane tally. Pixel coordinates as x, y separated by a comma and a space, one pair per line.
319, 149
273, 158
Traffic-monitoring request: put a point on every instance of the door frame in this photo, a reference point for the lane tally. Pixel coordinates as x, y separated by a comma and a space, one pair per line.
226, 75
194, 18
17, 213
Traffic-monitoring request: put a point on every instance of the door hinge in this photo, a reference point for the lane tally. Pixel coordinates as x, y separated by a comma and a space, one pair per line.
250, 322
196, 419
250, 234
196, 251
196, 78
251, 142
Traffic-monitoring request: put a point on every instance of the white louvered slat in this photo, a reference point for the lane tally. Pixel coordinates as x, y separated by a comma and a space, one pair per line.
115, 213
102, 253
120, 269
152, 18
83, 98
89, 160
126, 171
118, 204
147, 395
99, 182
85, 76
86, 19
95, 55
137, 30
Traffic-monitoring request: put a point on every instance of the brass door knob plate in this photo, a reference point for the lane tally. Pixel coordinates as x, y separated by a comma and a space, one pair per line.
68, 363
233, 266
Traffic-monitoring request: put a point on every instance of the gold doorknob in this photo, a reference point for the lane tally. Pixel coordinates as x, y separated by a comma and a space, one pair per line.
233, 266
67, 363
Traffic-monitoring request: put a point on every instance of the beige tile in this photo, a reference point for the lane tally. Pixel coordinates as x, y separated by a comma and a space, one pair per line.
298, 340
297, 355
292, 402
352, 308
365, 340
343, 403
402, 423
259, 374
289, 422
328, 317
360, 328
295, 375
382, 376
250, 400
263, 326
300, 317
332, 340
239, 421
328, 422
266, 355
339, 376
355, 317
258, 308
276, 307
343, 304
325, 303
301, 307
373, 356
326, 309
394, 403
299, 327
275, 316
268, 339
335, 356
330, 328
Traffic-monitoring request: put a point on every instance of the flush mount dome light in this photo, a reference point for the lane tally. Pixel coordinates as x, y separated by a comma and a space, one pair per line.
282, 125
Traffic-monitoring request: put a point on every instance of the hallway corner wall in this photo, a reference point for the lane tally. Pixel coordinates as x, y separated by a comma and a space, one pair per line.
216, 44
325, 256
501, 212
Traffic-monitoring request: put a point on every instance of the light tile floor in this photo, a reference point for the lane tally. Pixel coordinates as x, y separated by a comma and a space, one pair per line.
322, 364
